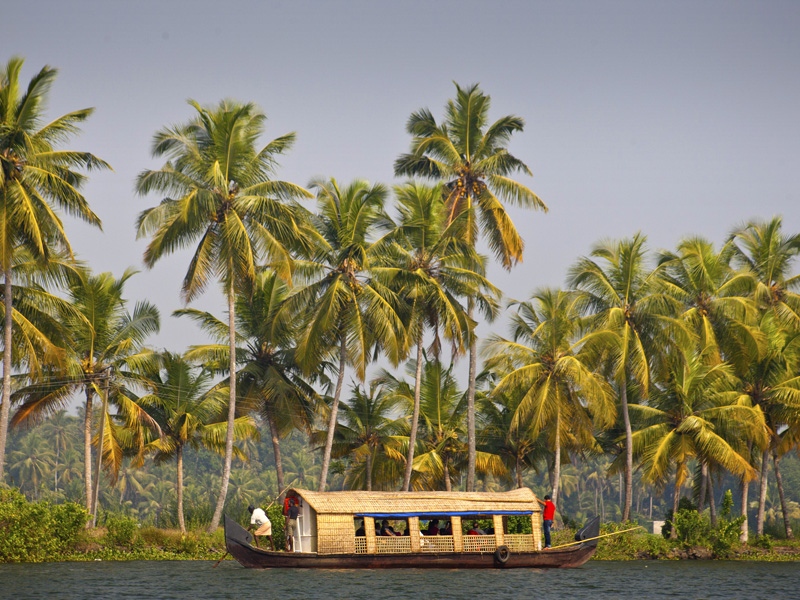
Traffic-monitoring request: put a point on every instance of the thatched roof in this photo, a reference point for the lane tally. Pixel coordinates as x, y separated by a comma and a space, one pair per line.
519, 501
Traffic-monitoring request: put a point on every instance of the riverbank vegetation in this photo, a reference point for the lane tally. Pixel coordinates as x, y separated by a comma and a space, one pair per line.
651, 376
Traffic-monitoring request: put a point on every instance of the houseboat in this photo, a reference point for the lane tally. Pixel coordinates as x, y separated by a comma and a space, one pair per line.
343, 530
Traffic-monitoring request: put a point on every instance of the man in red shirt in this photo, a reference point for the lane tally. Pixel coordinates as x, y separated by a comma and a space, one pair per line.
548, 514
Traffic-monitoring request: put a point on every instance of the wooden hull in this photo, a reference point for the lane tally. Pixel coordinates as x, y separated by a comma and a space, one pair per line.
237, 541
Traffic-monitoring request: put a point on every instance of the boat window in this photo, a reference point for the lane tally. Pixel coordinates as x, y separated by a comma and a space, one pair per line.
478, 525
391, 527
359, 527
517, 524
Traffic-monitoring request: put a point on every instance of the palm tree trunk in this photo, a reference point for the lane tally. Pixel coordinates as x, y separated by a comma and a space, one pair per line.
762, 493
518, 471
447, 485
676, 498
55, 469
226, 469
100, 445
779, 479
473, 373
412, 437
179, 455
712, 504
5, 400
745, 533
557, 458
87, 451
369, 471
626, 511
703, 486
276, 448
602, 503
326, 457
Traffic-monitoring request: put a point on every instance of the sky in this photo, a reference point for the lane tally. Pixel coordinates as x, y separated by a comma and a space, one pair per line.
670, 118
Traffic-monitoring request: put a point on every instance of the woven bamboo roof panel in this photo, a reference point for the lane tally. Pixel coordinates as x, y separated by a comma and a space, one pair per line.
358, 503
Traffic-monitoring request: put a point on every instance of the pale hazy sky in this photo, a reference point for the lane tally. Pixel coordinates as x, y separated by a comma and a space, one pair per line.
669, 118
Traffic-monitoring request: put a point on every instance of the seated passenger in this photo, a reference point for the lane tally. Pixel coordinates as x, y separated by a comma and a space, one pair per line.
433, 527
360, 531
447, 530
386, 529
476, 530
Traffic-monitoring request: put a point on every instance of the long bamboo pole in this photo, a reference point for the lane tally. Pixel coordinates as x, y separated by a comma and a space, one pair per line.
605, 535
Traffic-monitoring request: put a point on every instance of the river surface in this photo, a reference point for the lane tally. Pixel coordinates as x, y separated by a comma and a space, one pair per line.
596, 580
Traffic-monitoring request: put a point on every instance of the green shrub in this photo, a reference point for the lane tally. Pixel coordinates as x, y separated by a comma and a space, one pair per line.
726, 535
122, 530
693, 529
275, 514
766, 541
37, 531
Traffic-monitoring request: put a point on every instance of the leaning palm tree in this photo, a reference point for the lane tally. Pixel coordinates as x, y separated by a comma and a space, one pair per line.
35, 179
559, 392
346, 311
470, 155
629, 311
269, 380
220, 196
189, 413
432, 267
104, 349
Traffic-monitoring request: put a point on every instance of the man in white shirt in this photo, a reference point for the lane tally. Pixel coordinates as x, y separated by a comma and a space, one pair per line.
262, 525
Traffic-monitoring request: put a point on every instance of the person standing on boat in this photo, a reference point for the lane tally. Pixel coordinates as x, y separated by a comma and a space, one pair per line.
262, 525
548, 514
291, 525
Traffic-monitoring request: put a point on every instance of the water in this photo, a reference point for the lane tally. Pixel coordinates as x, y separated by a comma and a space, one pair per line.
594, 581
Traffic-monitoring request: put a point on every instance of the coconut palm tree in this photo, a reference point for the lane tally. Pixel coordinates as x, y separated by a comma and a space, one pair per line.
630, 312
716, 298
302, 470
189, 413
770, 381
559, 392
763, 249
31, 464
694, 413
105, 348
516, 446
220, 195
269, 380
36, 179
368, 433
61, 429
346, 311
470, 155
441, 449
431, 267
